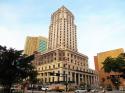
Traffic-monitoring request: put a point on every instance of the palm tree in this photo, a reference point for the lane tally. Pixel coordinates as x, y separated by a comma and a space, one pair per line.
122, 55
114, 65
14, 67
108, 65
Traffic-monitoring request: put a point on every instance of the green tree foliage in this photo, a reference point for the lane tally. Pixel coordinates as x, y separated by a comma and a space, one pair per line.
115, 65
108, 64
14, 67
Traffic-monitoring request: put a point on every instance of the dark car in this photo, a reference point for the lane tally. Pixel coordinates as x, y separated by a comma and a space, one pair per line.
109, 89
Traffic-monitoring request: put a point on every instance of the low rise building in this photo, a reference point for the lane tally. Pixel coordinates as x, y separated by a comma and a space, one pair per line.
65, 62
104, 77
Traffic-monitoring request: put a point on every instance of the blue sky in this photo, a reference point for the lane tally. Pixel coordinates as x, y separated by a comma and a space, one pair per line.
100, 23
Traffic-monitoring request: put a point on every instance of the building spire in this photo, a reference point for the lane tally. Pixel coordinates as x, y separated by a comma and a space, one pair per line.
63, 8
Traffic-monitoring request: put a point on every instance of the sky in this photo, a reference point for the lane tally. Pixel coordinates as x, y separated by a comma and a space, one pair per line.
100, 23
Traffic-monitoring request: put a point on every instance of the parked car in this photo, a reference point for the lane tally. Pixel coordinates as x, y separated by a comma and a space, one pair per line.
44, 88
81, 91
109, 88
122, 88
94, 90
103, 91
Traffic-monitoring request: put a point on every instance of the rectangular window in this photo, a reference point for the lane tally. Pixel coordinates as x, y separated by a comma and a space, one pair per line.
49, 67
53, 66
58, 64
64, 65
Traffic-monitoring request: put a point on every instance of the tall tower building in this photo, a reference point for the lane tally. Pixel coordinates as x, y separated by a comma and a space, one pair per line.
62, 56
62, 30
35, 44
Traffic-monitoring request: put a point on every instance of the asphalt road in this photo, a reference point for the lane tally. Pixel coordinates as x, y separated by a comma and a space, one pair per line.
43, 92
73, 92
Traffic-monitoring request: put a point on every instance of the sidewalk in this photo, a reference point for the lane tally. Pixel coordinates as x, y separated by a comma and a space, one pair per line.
48, 92
70, 92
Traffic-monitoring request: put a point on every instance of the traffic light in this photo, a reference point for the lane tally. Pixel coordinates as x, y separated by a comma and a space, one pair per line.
51, 73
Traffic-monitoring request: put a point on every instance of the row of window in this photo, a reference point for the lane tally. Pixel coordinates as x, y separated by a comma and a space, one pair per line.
61, 27
43, 61
54, 54
64, 66
62, 17
71, 58
70, 74
54, 79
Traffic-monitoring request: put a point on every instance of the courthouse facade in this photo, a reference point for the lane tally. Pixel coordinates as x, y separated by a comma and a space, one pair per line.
62, 56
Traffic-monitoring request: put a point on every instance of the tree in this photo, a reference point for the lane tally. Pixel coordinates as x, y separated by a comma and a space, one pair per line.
33, 80
14, 67
108, 65
115, 65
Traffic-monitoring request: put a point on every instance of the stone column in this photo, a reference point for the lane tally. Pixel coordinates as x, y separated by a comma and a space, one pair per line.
61, 72
95, 83
90, 80
83, 78
75, 77
78, 78
86, 79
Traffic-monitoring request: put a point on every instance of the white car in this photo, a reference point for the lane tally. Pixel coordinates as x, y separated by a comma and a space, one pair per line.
94, 90
44, 88
81, 91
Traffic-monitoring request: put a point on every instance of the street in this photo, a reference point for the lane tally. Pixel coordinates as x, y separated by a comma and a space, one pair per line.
115, 91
